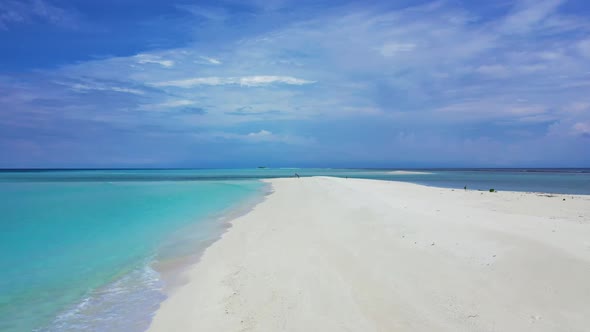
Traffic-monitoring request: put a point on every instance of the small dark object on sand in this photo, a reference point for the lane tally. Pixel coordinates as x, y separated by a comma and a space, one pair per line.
465, 187
564, 199
492, 190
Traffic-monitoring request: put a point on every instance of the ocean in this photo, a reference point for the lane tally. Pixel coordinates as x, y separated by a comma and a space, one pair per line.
78, 255
88, 249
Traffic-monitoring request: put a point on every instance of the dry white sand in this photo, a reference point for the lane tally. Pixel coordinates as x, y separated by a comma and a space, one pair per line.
329, 254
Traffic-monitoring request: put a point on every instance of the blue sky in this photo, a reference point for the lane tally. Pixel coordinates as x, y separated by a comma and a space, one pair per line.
139, 83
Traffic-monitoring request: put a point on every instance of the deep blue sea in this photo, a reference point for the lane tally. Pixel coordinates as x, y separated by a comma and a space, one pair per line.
84, 249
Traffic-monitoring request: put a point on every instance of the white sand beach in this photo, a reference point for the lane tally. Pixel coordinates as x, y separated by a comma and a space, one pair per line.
332, 254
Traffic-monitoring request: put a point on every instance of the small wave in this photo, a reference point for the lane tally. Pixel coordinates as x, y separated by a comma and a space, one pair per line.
126, 304
408, 172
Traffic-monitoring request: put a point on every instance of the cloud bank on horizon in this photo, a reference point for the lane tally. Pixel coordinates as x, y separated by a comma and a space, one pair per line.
223, 84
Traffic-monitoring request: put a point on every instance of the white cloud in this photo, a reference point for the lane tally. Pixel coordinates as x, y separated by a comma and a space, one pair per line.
264, 80
391, 49
23, 11
244, 81
496, 110
409, 60
255, 137
176, 103
168, 104
127, 90
83, 87
212, 61
581, 128
261, 134
418, 69
268, 136
529, 13
398, 64
149, 58
208, 13
190, 82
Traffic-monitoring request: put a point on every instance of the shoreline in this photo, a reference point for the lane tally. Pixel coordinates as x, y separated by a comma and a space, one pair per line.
150, 282
172, 267
325, 253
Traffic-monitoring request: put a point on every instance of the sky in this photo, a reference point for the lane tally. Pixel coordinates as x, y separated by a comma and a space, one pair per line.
279, 83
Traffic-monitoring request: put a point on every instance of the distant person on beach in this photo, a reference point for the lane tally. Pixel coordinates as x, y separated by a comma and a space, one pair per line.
297, 175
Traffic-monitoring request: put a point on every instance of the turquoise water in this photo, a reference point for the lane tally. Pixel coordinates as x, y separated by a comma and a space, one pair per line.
78, 248
61, 243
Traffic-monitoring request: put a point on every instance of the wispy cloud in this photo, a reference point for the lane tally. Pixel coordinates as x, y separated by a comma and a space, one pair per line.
391, 49
82, 87
167, 105
529, 14
150, 58
362, 80
25, 11
212, 61
262, 134
206, 12
243, 81
257, 137
249, 111
86, 86
581, 128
